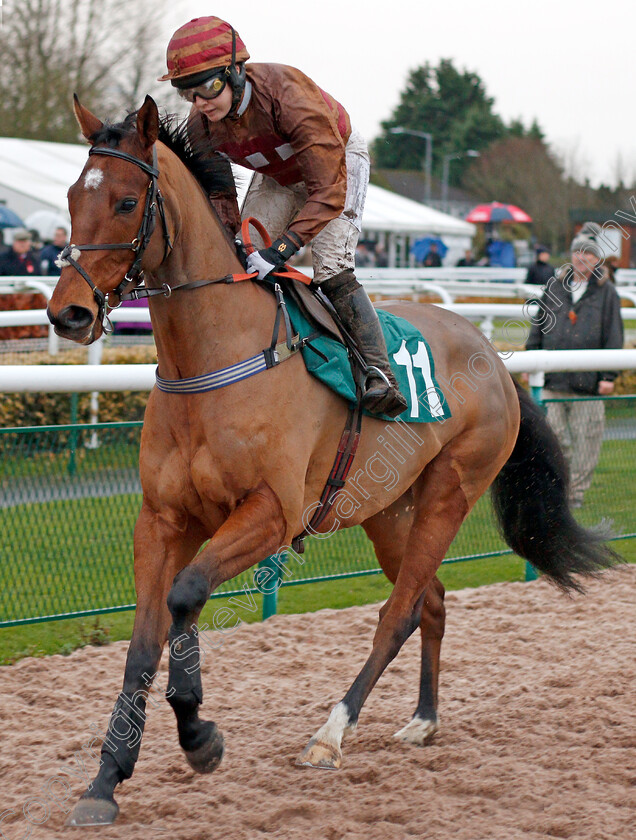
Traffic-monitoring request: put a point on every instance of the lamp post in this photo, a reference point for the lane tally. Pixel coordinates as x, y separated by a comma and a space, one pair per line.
428, 158
446, 172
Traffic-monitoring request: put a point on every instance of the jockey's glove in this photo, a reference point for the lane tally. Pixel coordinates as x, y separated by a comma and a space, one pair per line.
270, 259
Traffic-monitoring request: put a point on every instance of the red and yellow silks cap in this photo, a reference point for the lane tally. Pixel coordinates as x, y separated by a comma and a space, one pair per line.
200, 45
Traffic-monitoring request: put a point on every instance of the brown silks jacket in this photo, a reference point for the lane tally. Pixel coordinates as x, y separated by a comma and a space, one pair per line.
292, 131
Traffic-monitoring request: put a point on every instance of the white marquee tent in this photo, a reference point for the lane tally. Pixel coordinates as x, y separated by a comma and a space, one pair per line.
35, 175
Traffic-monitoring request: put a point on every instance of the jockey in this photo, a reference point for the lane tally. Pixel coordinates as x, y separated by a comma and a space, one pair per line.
312, 171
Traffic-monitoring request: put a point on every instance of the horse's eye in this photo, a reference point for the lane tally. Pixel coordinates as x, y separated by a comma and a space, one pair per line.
126, 205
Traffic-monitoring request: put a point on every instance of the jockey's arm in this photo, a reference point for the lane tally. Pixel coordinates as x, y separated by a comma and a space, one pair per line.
320, 152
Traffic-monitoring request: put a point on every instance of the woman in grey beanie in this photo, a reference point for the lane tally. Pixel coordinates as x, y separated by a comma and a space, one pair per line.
581, 311
587, 240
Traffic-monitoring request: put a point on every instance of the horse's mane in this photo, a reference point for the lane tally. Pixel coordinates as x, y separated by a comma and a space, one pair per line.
211, 169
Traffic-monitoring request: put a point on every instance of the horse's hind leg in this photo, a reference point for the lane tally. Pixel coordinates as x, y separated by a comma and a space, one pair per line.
440, 506
160, 552
389, 531
425, 721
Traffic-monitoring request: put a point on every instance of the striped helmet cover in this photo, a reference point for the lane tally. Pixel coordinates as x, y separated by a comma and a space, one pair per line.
202, 44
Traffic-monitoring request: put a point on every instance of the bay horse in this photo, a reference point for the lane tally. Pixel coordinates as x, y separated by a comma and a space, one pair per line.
235, 468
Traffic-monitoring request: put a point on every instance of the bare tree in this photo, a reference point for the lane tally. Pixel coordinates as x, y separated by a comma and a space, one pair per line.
106, 51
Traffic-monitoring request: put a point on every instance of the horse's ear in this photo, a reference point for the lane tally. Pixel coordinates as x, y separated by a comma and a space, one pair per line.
148, 122
88, 123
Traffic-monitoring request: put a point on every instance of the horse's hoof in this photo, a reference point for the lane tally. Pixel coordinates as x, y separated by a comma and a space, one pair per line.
207, 757
93, 812
418, 731
321, 755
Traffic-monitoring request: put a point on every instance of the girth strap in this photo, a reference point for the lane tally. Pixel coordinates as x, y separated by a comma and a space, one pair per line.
337, 477
267, 358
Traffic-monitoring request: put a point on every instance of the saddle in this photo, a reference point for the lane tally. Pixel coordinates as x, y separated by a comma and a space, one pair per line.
312, 303
315, 307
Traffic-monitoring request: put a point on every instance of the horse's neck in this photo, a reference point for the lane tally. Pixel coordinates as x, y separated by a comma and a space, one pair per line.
204, 329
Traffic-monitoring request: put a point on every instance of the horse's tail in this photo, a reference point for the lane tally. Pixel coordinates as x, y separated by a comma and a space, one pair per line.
530, 497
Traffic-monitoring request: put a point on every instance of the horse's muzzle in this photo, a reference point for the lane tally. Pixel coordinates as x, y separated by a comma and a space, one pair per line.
73, 322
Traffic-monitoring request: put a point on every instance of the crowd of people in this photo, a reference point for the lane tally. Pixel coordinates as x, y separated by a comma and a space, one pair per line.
28, 255
371, 255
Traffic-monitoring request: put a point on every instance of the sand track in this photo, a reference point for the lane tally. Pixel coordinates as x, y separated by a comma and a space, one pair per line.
538, 735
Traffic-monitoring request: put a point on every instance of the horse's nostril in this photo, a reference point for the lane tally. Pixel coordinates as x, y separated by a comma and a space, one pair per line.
73, 318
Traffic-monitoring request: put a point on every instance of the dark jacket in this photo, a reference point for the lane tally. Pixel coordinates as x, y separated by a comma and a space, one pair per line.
48, 255
11, 264
433, 260
595, 324
539, 273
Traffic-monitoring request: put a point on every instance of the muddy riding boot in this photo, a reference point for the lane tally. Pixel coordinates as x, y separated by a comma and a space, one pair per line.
351, 302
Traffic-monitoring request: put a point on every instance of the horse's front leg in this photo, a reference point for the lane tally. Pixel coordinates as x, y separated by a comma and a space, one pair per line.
161, 550
254, 530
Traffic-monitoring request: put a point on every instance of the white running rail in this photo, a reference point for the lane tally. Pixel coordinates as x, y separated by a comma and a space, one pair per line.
84, 378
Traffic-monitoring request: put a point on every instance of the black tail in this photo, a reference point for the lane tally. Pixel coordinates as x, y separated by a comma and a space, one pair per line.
530, 496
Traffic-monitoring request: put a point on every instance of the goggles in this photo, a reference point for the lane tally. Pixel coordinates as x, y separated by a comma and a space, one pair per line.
207, 90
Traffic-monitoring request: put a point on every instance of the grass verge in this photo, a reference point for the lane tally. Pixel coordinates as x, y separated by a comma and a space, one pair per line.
62, 637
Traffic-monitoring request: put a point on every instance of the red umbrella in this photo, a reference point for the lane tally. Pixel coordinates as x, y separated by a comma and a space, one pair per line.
496, 212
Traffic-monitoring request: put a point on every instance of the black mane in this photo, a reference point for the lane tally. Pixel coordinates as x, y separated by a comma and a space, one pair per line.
211, 169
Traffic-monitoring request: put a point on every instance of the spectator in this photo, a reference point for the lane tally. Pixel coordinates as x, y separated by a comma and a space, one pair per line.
50, 253
432, 259
36, 240
540, 271
364, 257
381, 256
501, 253
467, 261
20, 260
582, 312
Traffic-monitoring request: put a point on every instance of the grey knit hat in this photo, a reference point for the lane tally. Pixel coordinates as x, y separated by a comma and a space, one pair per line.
587, 239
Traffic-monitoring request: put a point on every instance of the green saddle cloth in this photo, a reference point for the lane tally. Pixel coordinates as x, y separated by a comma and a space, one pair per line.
410, 356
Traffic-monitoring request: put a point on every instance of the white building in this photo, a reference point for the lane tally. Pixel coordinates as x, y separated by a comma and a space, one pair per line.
35, 175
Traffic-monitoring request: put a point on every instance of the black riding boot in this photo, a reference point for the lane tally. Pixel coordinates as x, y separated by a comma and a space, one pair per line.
351, 302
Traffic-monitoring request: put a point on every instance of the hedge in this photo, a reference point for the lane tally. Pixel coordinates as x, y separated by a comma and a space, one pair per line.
55, 409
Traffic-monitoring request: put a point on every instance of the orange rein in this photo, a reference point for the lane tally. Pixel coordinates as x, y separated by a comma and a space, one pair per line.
249, 246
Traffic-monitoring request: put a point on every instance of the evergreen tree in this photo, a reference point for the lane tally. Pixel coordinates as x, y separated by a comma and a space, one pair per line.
450, 104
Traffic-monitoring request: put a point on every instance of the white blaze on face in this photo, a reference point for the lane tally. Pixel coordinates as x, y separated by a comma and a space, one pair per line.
93, 179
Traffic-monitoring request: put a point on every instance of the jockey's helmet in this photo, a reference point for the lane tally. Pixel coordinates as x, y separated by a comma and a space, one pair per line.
207, 48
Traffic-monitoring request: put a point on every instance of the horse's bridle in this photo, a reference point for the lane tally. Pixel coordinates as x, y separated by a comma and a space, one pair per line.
154, 202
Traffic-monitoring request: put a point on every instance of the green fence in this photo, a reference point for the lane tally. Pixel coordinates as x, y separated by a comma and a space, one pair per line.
69, 497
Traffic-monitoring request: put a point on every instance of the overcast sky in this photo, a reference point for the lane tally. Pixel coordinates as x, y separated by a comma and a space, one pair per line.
569, 63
